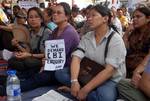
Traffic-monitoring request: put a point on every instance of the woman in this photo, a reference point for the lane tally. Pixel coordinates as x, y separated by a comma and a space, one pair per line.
93, 44
66, 31
137, 41
29, 63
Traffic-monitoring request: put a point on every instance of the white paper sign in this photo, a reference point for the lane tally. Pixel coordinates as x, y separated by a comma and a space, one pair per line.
55, 55
28, 4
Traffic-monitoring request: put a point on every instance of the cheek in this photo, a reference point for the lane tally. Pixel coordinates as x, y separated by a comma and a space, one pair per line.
59, 18
142, 22
97, 22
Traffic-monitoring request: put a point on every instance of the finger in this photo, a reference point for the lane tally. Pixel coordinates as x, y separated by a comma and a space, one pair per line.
74, 93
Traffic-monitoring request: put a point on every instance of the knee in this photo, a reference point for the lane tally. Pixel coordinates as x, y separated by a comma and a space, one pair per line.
102, 96
123, 85
58, 74
62, 77
124, 88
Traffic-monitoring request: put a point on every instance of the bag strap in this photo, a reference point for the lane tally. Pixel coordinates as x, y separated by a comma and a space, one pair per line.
106, 47
108, 40
39, 41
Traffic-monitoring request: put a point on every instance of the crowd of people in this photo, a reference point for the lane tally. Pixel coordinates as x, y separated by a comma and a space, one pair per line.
85, 33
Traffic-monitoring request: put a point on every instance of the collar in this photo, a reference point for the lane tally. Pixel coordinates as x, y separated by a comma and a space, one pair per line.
41, 31
91, 36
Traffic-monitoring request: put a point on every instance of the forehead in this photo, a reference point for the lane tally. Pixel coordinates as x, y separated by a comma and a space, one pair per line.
93, 11
58, 8
33, 12
138, 12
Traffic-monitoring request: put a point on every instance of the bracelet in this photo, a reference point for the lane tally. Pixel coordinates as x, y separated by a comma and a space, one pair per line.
74, 80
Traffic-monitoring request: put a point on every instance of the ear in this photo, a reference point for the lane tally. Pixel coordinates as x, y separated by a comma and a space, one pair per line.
105, 19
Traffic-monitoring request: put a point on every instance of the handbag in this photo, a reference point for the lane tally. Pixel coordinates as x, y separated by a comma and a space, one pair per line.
90, 68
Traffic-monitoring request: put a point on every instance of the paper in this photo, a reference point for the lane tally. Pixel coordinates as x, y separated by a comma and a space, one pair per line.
55, 55
6, 54
52, 95
28, 4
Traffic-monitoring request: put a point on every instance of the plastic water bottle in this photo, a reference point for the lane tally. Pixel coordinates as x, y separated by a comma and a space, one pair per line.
13, 87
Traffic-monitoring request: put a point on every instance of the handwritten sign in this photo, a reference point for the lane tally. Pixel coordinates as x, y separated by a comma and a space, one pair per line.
55, 55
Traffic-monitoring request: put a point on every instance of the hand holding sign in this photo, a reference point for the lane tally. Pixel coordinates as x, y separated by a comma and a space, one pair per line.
55, 55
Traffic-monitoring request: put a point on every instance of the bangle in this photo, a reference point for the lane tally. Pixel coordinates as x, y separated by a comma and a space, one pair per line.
74, 80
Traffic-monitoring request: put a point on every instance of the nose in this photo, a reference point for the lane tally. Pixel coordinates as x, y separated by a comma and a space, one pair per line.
89, 18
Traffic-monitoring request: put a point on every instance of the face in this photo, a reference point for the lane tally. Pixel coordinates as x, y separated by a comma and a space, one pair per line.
21, 20
120, 13
34, 19
59, 14
15, 11
95, 19
139, 19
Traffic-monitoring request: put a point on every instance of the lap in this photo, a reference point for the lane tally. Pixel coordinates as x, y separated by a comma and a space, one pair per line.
101, 92
129, 92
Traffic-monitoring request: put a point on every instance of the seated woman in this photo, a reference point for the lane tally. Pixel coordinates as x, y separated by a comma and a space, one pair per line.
138, 45
137, 41
27, 63
92, 46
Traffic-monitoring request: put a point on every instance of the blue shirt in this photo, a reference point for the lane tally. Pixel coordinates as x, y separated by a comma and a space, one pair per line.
147, 69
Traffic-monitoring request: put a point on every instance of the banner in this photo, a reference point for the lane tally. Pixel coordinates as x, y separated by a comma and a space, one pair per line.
55, 55
28, 4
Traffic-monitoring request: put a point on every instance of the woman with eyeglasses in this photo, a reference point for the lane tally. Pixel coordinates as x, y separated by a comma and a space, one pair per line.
137, 40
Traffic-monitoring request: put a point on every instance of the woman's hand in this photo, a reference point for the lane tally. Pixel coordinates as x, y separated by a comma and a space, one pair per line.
135, 79
130, 27
82, 94
75, 87
22, 54
14, 42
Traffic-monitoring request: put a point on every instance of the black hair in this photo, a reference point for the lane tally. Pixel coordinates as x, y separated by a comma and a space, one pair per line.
105, 11
89, 6
66, 8
17, 7
144, 10
49, 11
75, 9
